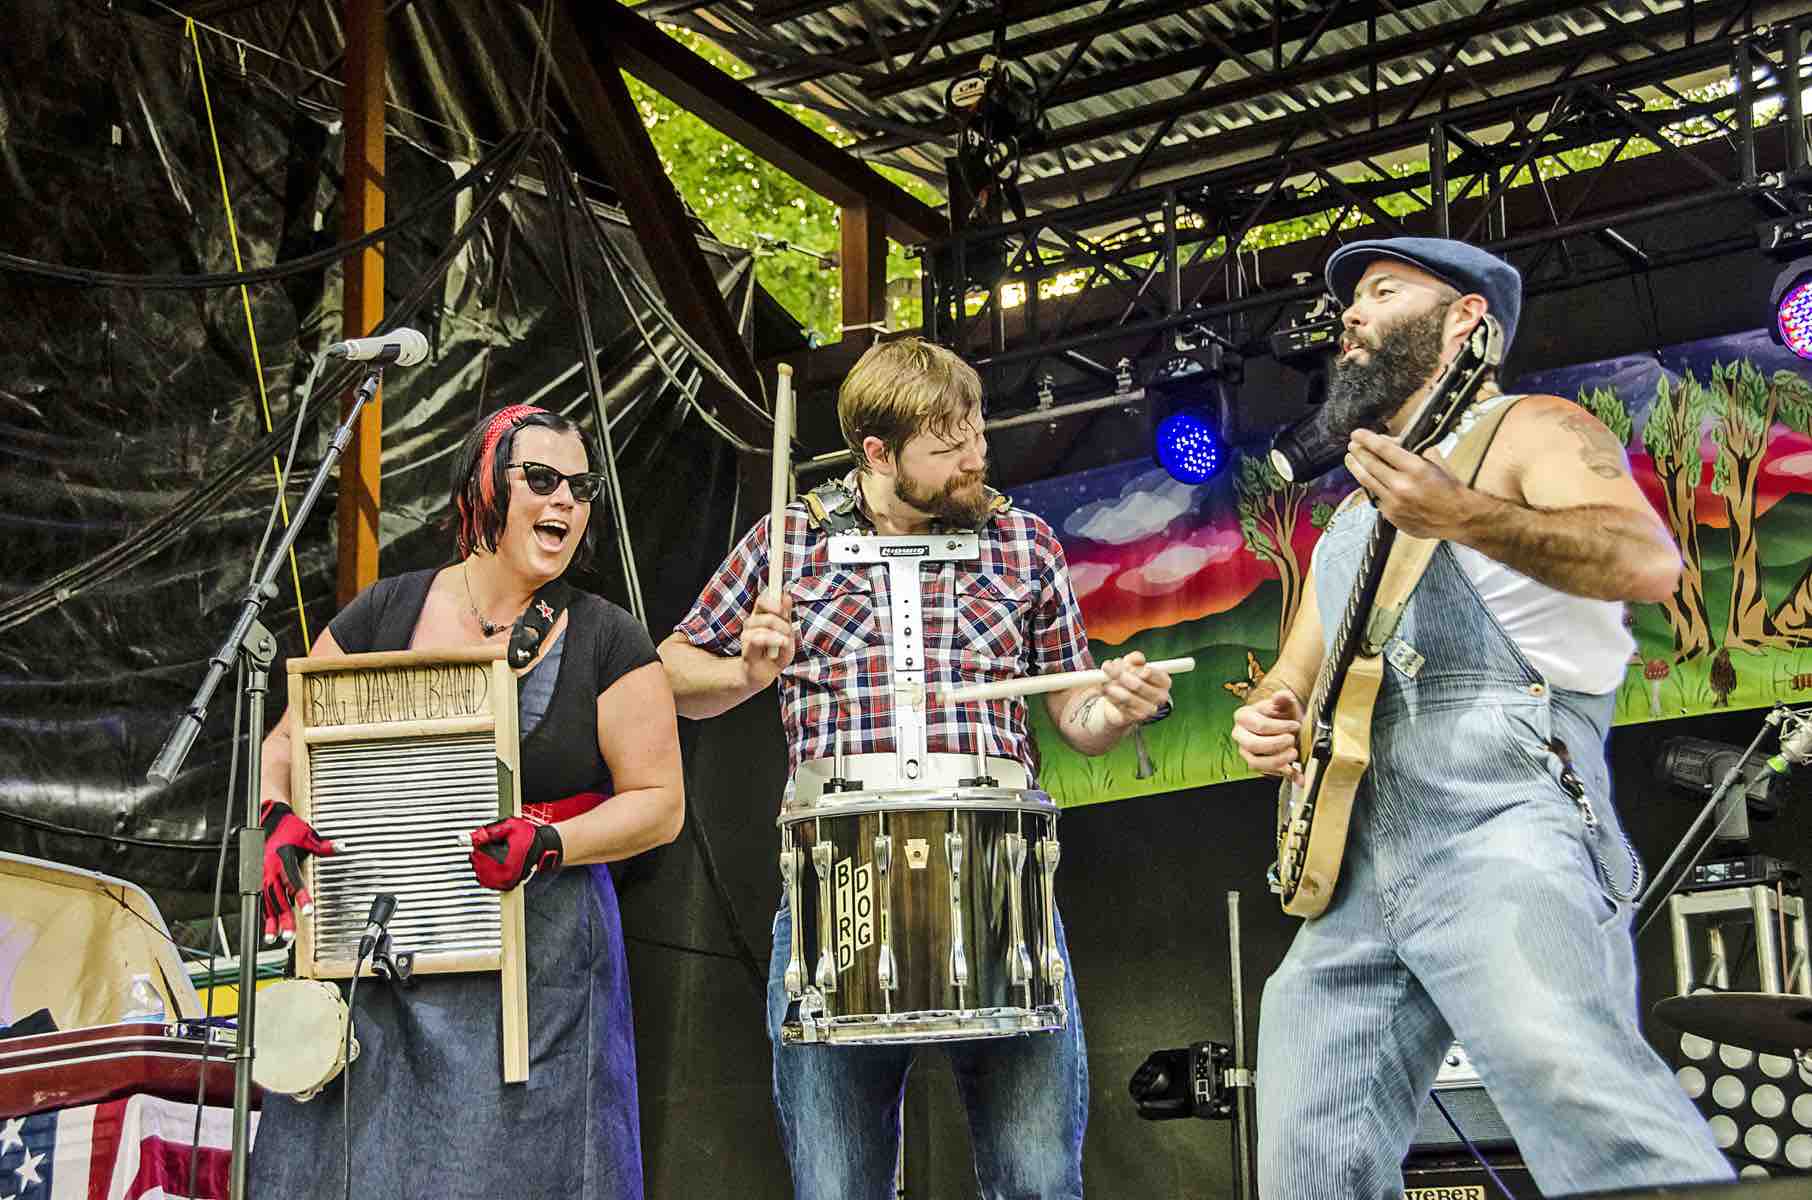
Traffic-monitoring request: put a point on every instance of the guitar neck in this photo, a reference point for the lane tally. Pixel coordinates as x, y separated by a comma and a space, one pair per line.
1452, 394
1345, 644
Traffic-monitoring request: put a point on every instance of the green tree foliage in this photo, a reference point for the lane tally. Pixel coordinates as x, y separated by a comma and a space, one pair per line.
751, 203
1604, 403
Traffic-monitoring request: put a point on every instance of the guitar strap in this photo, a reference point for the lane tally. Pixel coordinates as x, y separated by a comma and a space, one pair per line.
537, 620
1410, 556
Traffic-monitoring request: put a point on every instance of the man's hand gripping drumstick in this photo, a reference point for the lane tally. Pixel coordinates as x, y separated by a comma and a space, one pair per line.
1092, 709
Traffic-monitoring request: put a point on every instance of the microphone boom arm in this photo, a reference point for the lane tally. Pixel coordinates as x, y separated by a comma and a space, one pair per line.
181, 740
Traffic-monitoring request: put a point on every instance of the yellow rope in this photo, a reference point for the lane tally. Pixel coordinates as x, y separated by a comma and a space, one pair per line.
245, 302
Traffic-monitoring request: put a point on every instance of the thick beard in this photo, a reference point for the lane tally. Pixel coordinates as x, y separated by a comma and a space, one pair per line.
1365, 395
943, 503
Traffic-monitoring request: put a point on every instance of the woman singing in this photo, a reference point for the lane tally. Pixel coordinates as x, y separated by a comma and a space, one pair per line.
601, 781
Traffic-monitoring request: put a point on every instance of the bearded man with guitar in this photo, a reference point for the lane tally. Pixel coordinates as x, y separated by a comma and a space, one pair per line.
1437, 715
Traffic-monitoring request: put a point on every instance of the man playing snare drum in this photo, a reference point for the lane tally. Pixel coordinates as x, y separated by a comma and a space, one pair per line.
911, 414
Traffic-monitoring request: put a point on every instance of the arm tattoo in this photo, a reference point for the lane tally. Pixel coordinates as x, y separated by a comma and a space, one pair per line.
1599, 448
1085, 710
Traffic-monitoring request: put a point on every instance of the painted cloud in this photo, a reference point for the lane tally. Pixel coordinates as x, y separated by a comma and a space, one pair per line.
1147, 504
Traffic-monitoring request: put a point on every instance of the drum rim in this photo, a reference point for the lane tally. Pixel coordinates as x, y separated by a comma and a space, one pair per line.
929, 1025
918, 799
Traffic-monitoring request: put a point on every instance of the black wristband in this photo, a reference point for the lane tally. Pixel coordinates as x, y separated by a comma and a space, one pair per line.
547, 853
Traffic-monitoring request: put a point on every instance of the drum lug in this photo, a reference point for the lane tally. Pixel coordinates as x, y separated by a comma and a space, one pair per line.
959, 960
884, 969
1020, 966
823, 854
1048, 853
811, 1026
790, 865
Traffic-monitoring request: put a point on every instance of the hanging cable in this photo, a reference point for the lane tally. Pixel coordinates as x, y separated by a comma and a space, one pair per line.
543, 68
317, 260
146, 542
564, 194
245, 305
118, 839
315, 74
618, 267
612, 263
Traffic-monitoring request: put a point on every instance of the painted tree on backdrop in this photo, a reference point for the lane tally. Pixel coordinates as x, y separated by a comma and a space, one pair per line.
1747, 405
1793, 619
1672, 436
1269, 509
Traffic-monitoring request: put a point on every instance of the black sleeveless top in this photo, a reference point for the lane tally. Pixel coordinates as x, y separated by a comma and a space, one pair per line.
602, 643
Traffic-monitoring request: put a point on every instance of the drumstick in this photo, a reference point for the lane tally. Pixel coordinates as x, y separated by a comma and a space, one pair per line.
1037, 684
778, 493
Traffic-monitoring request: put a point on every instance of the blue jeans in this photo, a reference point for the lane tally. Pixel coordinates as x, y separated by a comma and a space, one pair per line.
839, 1106
1479, 899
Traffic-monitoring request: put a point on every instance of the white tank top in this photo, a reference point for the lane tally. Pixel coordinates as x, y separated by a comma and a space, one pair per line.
1575, 643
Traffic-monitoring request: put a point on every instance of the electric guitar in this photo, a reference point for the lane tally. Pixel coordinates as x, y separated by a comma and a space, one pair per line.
1334, 745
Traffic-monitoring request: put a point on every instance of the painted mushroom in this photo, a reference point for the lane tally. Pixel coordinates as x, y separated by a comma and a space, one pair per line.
1656, 670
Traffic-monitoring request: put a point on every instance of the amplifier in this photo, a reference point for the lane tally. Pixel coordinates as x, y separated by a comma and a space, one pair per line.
1447, 1178
1459, 1089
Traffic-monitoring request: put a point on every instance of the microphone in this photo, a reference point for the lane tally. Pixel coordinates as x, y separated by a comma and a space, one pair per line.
1309, 449
377, 921
1796, 743
399, 347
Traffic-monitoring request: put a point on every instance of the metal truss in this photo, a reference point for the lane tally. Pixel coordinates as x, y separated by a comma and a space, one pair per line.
1136, 91
1163, 268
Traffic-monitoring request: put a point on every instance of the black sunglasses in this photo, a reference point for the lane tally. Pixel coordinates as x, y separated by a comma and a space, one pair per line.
543, 480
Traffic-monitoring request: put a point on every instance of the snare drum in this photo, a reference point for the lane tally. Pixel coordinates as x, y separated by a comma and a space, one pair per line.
922, 914
299, 1041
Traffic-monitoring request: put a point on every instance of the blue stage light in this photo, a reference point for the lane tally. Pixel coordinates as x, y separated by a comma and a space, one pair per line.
1188, 447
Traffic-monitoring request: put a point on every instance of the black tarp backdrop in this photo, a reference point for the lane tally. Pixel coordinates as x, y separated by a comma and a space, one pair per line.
116, 404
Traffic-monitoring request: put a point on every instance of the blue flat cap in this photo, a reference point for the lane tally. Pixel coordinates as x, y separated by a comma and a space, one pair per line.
1460, 264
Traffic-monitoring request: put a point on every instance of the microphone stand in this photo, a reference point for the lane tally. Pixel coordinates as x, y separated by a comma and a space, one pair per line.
1699, 835
251, 641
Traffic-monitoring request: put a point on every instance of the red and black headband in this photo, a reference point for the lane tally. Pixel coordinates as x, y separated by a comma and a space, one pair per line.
484, 468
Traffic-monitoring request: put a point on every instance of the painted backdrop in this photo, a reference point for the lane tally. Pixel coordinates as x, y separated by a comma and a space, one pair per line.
1717, 432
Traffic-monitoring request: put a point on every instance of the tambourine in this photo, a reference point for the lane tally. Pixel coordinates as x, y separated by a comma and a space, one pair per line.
299, 1042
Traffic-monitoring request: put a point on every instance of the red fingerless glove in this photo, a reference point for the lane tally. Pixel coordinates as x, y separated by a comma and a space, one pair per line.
507, 853
287, 838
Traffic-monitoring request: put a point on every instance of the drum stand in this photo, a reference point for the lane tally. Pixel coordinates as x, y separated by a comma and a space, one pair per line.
251, 643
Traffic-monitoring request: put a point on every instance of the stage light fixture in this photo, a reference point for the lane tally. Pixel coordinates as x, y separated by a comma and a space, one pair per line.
1189, 1081
1191, 394
1792, 300
1188, 446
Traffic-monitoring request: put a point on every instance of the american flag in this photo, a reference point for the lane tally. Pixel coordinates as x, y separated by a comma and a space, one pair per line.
131, 1149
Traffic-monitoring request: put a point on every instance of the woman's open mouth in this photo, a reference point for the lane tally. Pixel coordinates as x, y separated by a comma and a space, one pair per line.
551, 535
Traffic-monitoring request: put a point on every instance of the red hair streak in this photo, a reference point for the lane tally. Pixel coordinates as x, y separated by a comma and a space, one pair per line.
484, 468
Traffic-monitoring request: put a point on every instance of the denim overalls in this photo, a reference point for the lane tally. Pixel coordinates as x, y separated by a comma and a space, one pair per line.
1484, 897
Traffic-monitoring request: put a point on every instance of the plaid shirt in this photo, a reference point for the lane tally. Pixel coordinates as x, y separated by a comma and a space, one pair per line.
1007, 615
